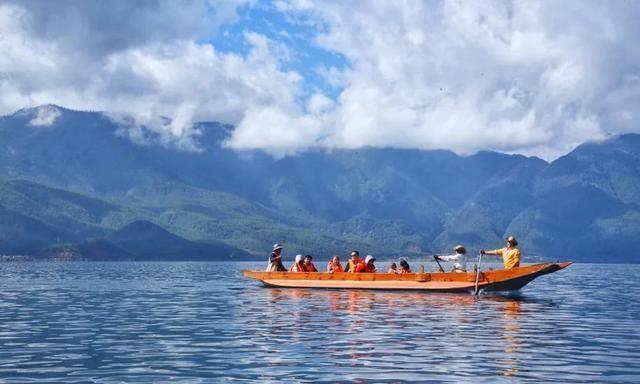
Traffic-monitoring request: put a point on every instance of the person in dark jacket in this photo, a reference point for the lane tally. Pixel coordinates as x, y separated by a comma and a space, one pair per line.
275, 260
404, 267
352, 262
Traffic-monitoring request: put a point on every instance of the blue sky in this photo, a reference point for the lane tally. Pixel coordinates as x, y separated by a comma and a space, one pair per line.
297, 34
536, 77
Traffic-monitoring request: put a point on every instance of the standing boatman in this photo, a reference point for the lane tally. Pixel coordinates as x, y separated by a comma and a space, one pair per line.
275, 260
510, 254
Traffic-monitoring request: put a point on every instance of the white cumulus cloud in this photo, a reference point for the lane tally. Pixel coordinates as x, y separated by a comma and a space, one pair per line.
536, 77
531, 77
140, 63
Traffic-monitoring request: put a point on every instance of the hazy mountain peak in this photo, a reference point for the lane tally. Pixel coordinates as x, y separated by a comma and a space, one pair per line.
625, 142
41, 116
141, 229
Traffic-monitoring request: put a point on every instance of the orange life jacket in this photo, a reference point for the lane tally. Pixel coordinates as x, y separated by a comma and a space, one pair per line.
309, 267
361, 267
351, 266
334, 267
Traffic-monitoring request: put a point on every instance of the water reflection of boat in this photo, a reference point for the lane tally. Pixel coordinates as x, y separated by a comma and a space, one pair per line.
490, 280
511, 336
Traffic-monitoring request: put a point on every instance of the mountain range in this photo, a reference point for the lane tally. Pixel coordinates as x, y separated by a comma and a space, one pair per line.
79, 180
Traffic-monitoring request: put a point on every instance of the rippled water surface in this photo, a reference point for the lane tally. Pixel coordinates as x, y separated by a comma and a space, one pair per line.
203, 322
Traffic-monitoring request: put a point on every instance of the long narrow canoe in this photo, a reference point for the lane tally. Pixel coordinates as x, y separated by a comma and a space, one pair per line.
490, 280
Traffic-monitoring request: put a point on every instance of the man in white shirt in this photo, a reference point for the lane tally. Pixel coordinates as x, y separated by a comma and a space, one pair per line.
459, 259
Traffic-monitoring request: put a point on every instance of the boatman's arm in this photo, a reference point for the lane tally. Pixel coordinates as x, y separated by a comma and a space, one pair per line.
495, 252
449, 257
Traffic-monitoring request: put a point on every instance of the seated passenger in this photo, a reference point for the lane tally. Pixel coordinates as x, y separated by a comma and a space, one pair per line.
510, 254
404, 267
393, 268
297, 265
459, 259
308, 265
275, 260
368, 266
353, 262
334, 265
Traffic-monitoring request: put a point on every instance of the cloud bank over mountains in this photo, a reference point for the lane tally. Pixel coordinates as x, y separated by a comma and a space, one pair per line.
535, 78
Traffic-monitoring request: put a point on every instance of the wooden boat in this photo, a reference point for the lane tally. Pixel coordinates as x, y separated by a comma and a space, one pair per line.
489, 280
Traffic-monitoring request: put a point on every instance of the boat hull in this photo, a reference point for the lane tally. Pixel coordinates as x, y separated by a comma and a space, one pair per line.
490, 280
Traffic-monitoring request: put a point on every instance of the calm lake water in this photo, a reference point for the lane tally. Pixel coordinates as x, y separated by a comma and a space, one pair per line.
202, 322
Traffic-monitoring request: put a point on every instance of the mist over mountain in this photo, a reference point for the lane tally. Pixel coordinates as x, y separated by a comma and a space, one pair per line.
78, 178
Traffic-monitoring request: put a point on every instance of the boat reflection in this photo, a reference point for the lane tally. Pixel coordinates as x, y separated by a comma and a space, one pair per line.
354, 301
511, 313
382, 315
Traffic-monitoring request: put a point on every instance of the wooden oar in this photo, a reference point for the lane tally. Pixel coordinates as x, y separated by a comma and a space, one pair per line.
435, 257
478, 274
